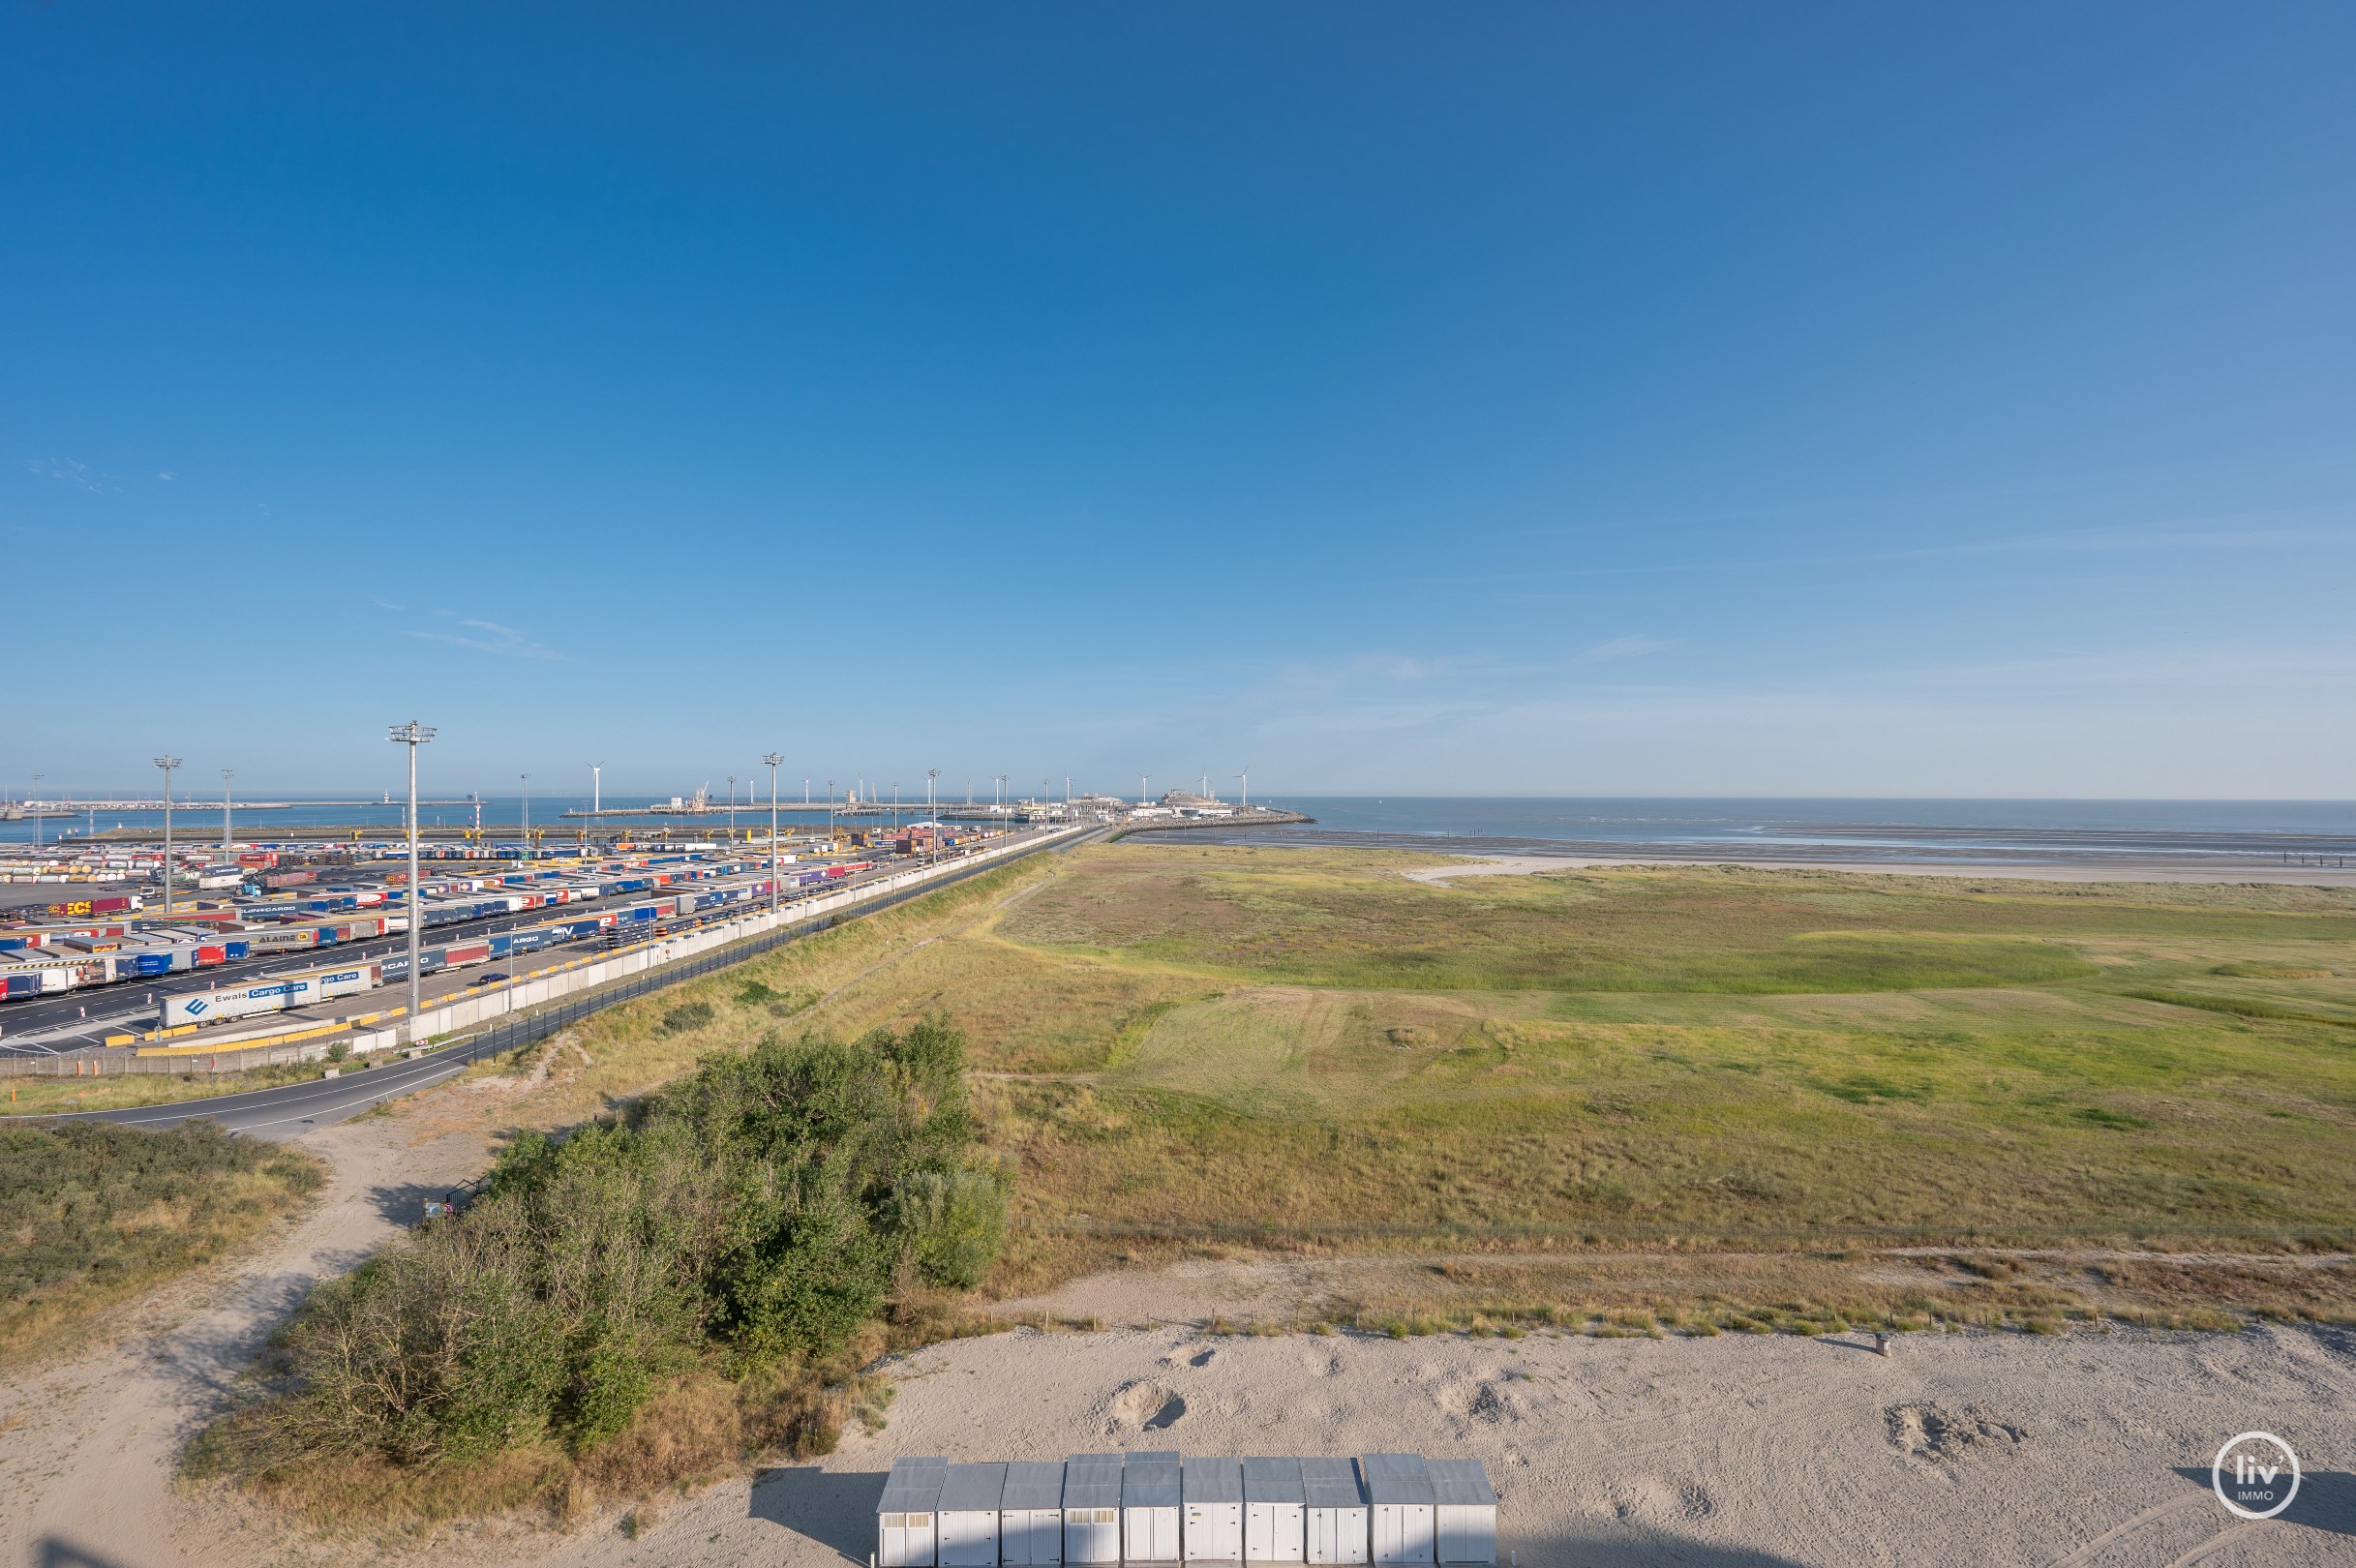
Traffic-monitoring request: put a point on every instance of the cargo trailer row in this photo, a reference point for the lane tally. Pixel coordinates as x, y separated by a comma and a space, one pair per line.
38, 961
1103, 1510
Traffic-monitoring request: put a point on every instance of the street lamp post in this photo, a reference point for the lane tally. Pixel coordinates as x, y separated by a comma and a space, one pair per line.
526, 828
37, 805
732, 808
775, 876
412, 735
224, 806
167, 763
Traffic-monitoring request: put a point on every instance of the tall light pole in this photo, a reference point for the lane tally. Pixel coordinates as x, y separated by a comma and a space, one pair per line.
167, 763
830, 813
224, 806
37, 803
731, 807
526, 827
895, 806
412, 735
772, 759
931, 775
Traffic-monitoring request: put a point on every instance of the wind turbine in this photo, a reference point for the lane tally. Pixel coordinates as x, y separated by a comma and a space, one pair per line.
596, 787
1245, 779
1140, 789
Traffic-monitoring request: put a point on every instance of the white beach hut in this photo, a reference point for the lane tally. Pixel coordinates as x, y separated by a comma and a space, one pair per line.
970, 1499
1465, 1510
1149, 1508
1335, 1507
1212, 1493
1274, 1528
1399, 1495
1031, 1515
1092, 1510
905, 1530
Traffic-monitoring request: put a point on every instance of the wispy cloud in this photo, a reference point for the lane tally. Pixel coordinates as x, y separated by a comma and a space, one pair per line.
490, 637
1623, 648
166, 475
79, 474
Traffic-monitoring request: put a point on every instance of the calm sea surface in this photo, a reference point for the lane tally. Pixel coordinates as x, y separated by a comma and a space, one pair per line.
1995, 831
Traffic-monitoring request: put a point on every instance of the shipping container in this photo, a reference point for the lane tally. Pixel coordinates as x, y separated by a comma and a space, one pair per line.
1464, 1516
1399, 1495
1149, 1508
1031, 1518
1212, 1494
1274, 1511
971, 1497
906, 1532
1092, 1510
1337, 1509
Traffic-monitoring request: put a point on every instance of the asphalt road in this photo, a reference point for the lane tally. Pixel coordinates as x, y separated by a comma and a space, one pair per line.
292, 1108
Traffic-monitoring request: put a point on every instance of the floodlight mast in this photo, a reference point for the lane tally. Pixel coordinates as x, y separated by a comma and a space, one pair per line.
224, 806
527, 825
412, 735
37, 805
167, 763
775, 875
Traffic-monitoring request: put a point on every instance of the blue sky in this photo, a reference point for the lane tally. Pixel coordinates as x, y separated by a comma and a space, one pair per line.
1506, 399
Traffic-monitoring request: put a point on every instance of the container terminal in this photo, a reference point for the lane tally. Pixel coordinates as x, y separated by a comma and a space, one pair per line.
109, 940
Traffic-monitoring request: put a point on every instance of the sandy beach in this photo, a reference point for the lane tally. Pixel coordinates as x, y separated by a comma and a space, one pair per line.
2089, 1449
2124, 869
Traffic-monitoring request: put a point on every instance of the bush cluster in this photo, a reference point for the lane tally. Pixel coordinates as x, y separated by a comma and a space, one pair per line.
765, 1208
90, 1202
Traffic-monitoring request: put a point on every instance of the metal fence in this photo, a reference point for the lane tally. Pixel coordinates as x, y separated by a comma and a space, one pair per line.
514, 1033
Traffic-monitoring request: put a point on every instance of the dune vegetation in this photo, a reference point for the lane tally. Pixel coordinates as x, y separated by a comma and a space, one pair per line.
640, 1301
96, 1214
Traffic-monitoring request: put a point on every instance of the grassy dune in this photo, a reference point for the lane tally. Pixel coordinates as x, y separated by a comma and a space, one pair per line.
1188, 1045
99, 1213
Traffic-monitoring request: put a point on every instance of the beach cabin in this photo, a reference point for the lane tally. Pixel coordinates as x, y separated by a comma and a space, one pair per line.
1465, 1510
905, 1532
1275, 1529
1398, 1498
1212, 1493
1092, 1510
1336, 1509
1149, 1508
1031, 1515
971, 1495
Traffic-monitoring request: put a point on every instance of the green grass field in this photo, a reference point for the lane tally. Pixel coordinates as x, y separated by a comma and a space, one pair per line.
1183, 1044
1202, 1040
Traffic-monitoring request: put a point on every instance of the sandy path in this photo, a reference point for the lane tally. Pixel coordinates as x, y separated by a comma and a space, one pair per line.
90, 1445
2090, 1449
2123, 870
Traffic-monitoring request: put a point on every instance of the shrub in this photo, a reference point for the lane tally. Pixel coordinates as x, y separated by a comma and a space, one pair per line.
756, 1211
956, 1224
689, 1015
